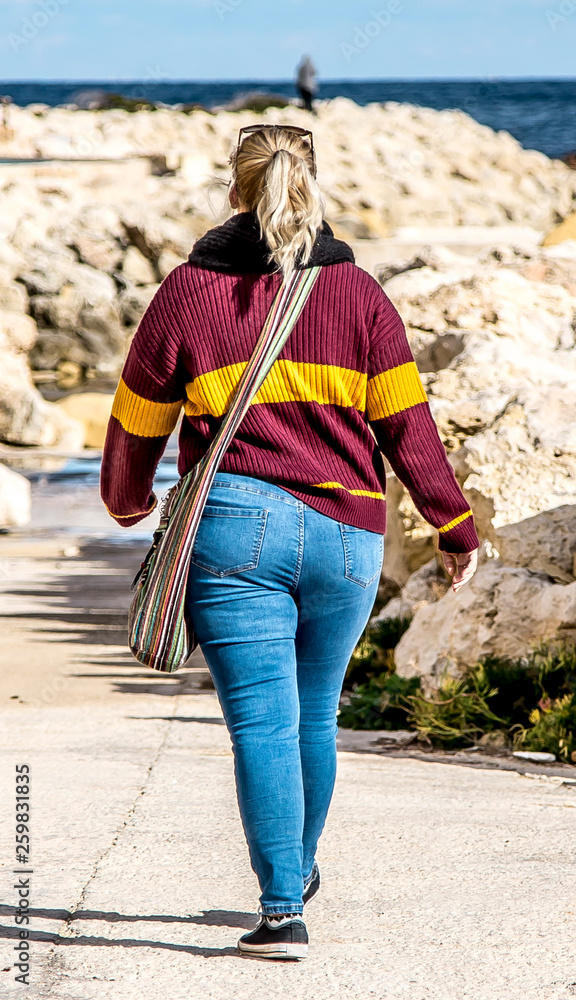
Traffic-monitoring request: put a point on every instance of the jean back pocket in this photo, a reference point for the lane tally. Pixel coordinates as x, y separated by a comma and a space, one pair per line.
363, 554
229, 539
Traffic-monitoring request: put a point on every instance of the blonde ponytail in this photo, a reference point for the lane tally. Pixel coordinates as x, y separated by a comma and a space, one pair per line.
273, 170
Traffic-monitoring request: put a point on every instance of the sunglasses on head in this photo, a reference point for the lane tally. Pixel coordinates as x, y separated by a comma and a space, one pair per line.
286, 128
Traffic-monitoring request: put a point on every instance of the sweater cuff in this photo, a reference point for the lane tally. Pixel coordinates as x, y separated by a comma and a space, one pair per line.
461, 538
127, 520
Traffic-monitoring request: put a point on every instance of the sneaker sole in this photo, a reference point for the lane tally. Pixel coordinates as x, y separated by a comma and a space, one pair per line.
275, 950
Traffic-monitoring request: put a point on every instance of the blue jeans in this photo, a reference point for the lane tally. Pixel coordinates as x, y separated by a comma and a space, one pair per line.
279, 595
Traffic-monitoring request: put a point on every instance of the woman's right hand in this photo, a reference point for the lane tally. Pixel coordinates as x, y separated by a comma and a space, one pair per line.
461, 566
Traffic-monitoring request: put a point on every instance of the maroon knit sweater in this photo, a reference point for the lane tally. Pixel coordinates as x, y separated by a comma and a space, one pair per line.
344, 390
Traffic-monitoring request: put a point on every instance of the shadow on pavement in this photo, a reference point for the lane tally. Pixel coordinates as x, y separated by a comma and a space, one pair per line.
86, 597
204, 720
224, 918
209, 918
83, 601
85, 940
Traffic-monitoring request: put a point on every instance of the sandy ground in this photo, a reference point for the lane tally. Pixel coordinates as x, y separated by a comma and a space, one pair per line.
439, 883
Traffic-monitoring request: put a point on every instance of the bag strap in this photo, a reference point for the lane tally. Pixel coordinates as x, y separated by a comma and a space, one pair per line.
280, 321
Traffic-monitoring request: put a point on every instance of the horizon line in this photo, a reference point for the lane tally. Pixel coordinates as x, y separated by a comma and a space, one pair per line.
290, 80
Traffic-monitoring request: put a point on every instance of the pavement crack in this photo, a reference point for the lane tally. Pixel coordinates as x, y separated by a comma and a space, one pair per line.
51, 970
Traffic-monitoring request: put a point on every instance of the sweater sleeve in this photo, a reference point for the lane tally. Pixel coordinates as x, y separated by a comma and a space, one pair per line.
145, 411
399, 414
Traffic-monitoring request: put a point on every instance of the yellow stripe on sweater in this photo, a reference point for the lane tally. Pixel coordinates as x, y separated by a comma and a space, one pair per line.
136, 513
395, 390
355, 493
287, 382
457, 520
142, 416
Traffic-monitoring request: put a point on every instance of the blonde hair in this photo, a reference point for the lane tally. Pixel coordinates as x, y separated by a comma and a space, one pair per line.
273, 170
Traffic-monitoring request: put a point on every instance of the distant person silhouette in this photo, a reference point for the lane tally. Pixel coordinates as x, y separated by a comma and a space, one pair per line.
306, 82
4, 102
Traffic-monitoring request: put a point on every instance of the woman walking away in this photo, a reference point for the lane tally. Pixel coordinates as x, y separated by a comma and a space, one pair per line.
287, 559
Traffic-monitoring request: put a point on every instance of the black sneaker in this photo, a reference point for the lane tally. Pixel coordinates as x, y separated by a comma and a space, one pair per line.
277, 937
312, 885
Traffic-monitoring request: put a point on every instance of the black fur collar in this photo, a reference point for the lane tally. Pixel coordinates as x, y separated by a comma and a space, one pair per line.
236, 248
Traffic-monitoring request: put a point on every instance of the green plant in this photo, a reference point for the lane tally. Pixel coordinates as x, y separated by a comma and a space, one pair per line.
261, 102
553, 728
554, 665
515, 688
531, 700
381, 703
119, 101
459, 712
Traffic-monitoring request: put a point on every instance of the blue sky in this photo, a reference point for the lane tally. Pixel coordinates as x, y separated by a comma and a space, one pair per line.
263, 39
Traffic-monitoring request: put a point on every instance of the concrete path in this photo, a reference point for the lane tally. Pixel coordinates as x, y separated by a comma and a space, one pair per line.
439, 883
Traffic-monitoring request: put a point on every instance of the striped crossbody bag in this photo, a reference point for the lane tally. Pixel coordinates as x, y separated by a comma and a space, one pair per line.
160, 631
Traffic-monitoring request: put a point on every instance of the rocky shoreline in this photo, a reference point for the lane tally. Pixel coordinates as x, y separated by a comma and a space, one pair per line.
104, 204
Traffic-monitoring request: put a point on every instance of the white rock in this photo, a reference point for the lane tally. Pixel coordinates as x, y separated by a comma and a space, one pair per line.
13, 296
397, 738
417, 164
426, 586
78, 327
167, 261
536, 755
136, 268
565, 249
134, 302
61, 311
409, 538
93, 285
17, 331
98, 251
11, 261
196, 168
14, 499
545, 543
506, 467
502, 611
47, 270
498, 350
25, 417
